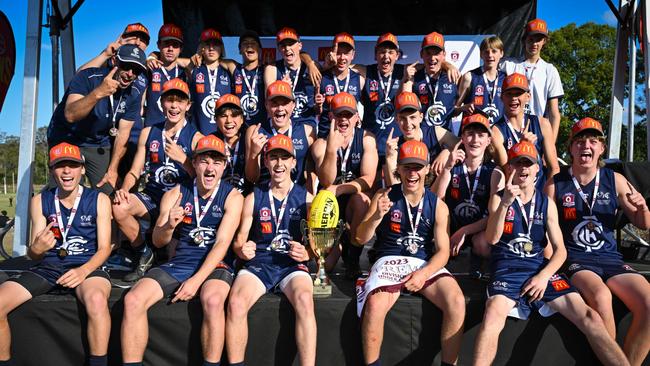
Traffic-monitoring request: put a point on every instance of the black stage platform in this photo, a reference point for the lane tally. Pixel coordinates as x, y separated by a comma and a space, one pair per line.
49, 330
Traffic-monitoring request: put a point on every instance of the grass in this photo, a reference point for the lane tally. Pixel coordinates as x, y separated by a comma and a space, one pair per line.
7, 243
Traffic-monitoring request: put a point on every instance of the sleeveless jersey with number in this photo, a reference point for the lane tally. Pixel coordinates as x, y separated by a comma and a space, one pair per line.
300, 144
438, 111
153, 111
189, 254
254, 108
463, 211
429, 138
510, 251
328, 89
82, 235
235, 171
480, 94
273, 242
395, 235
202, 99
588, 236
303, 93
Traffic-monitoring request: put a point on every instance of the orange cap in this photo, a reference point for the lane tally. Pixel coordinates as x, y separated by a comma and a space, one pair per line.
281, 142
176, 84
344, 37
343, 102
170, 31
413, 151
476, 118
387, 38
536, 26
407, 100
287, 33
433, 39
137, 28
586, 124
210, 34
227, 99
515, 81
210, 143
524, 149
65, 152
279, 88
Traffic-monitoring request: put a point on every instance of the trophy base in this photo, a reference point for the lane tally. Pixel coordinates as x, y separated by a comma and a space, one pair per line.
322, 290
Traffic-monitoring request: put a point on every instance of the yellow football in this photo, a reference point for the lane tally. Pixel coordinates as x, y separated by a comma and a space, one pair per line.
324, 211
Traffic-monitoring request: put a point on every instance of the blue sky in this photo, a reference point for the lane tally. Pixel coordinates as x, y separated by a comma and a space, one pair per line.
99, 22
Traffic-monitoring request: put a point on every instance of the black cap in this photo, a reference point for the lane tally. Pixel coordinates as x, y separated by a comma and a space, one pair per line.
132, 54
250, 34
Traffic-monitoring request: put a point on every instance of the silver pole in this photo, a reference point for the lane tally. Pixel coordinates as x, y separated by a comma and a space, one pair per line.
28, 124
646, 58
631, 102
618, 88
55, 70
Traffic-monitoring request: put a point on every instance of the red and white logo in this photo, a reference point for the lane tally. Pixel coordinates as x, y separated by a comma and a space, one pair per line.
568, 200
154, 146
329, 90
265, 214
422, 88
188, 208
510, 215
455, 181
200, 78
396, 216
374, 85
479, 90
455, 56
155, 77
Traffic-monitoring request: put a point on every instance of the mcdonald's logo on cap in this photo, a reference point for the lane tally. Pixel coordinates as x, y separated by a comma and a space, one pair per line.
387, 38
65, 152
433, 39
406, 100
524, 149
287, 33
346, 38
476, 119
136, 28
170, 31
536, 26
343, 102
279, 88
210, 143
586, 124
176, 84
227, 99
279, 142
515, 81
413, 152
210, 34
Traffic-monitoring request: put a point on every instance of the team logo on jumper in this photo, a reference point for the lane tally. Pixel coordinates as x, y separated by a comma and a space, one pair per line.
467, 210
396, 216
492, 111
200, 78
154, 146
455, 55
588, 234
412, 242
479, 90
167, 175
202, 236
155, 77
76, 245
265, 214
329, 89
301, 104
519, 246
510, 214
86, 220
280, 242
455, 181
434, 114
207, 105
249, 105
384, 114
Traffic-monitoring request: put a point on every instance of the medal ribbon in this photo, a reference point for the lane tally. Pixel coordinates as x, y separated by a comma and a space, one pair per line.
344, 156
164, 70
73, 212
418, 216
386, 89
233, 157
524, 128
178, 133
433, 92
294, 82
200, 216
476, 178
491, 95
289, 132
347, 83
531, 215
212, 77
251, 88
278, 219
583, 195
114, 108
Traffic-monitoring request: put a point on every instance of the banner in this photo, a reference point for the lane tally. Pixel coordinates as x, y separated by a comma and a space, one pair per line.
7, 56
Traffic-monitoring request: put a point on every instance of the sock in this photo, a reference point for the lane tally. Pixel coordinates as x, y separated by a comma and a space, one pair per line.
206, 363
133, 363
442, 363
97, 360
375, 363
237, 363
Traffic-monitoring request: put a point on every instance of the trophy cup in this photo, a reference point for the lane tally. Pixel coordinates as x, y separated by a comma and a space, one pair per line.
323, 231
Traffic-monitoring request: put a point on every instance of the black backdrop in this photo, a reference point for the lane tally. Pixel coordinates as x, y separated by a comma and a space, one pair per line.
505, 18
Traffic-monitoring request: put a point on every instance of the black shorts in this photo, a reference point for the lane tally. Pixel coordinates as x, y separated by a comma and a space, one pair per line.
39, 285
169, 284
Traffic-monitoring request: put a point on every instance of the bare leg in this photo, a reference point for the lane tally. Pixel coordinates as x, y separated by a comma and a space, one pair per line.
372, 323
12, 295
93, 293
126, 214
494, 319
213, 298
135, 326
480, 246
597, 296
246, 290
300, 293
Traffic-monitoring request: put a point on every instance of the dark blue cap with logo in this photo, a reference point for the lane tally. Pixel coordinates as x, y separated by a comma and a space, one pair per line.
132, 54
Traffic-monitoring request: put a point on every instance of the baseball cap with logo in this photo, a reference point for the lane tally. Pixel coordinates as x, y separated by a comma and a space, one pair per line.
515, 81
413, 152
287, 33
387, 38
586, 124
342, 102
524, 149
131, 53
170, 31
279, 88
433, 39
279, 142
210, 34
344, 37
536, 26
476, 119
227, 100
407, 100
65, 152
210, 143
176, 84
136, 28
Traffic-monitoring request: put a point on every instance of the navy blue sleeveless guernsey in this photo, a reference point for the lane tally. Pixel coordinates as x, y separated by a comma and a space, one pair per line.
483, 96
438, 97
463, 211
303, 92
159, 76
588, 235
328, 87
429, 138
203, 100
251, 103
395, 235
82, 237
352, 157
300, 144
235, 171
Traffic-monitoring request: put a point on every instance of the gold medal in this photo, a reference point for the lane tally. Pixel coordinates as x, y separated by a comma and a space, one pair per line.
113, 132
528, 246
62, 252
591, 226
198, 239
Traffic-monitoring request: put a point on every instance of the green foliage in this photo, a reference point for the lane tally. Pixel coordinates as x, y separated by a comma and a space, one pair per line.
9, 150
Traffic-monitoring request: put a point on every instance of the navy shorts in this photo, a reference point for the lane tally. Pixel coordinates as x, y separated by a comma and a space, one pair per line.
169, 284
37, 284
509, 282
272, 275
605, 270
151, 203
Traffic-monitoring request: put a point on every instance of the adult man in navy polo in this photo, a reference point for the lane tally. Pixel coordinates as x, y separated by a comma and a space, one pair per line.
97, 112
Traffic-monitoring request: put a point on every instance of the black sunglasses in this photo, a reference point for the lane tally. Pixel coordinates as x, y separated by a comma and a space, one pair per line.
128, 66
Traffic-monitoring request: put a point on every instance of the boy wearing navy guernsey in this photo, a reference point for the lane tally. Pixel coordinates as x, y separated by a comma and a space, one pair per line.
164, 153
192, 213
230, 121
269, 242
520, 220
589, 197
408, 219
347, 163
71, 232
249, 79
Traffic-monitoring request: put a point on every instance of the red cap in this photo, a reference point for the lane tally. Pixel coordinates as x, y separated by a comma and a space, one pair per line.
344, 37
65, 152
170, 31
387, 38
137, 28
176, 84
343, 102
279, 88
227, 99
210, 34
515, 81
287, 33
210, 143
281, 142
476, 118
413, 151
524, 149
536, 26
586, 124
407, 100
433, 39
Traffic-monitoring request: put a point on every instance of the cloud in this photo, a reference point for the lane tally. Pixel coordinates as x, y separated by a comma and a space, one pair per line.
609, 18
